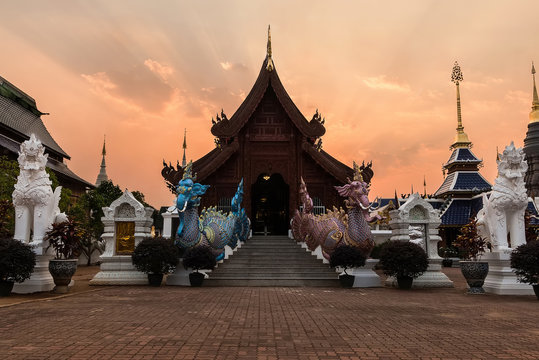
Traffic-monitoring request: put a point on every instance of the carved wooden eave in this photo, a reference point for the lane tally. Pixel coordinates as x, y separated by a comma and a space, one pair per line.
333, 166
229, 128
210, 162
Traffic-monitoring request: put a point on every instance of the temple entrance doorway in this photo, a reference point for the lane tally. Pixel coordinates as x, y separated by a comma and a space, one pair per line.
270, 205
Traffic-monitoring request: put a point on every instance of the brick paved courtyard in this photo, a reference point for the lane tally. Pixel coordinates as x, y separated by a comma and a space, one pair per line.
271, 323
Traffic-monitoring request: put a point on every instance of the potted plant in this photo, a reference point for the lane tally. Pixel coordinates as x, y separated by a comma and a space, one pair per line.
347, 257
471, 246
447, 253
64, 237
525, 261
155, 257
17, 261
403, 260
198, 258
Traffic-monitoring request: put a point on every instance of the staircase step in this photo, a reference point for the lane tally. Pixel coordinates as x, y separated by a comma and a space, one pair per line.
272, 261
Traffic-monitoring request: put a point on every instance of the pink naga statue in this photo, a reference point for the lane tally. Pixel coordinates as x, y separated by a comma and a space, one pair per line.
337, 227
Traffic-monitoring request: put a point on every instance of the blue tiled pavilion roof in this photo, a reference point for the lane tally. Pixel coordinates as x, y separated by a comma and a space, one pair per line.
463, 181
462, 155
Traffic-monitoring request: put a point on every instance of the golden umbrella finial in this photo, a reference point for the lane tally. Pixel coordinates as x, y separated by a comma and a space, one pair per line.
270, 65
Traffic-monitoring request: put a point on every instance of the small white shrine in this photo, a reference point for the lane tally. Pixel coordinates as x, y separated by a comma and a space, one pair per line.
417, 221
126, 223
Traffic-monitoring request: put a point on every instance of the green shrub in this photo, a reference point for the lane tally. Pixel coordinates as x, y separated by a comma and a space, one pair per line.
17, 260
155, 256
525, 261
347, 257
403, 258
199, 257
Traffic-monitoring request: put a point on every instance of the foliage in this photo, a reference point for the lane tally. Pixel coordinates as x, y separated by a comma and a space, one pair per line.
65, 238
403, 258
531, 231
89, 245
448, 252
199, 257
469, 243
17, 260
89, 208
347, 257
6, 218
9, 170
155, 256
375, 253
525, 261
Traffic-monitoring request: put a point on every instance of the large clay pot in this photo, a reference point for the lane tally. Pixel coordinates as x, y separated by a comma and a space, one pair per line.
155, 279
475, 273
347, 281
6, 287
62, 271
196, 278
405, 282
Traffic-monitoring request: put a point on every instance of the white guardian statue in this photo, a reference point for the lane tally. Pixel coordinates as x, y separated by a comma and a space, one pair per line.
501, 220
36, 206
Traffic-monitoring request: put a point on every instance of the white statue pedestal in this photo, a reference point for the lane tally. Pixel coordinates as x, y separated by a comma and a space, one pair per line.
180, 276
433, 277
501, 279
41, 279
118, 270
365, 276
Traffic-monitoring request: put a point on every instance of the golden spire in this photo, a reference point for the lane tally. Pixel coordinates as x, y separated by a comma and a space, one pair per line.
534, 114
461, 139
269, 65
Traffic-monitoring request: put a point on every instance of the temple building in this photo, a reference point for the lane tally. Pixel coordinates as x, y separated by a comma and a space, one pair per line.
271, 145
531, 145
19, 118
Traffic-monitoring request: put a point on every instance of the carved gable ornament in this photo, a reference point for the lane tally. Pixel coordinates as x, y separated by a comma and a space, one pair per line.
416, 210
126, 207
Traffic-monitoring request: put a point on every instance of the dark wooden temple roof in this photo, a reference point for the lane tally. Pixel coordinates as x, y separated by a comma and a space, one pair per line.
228, 128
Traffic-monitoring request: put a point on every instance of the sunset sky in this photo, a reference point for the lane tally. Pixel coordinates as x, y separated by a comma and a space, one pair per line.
378, 71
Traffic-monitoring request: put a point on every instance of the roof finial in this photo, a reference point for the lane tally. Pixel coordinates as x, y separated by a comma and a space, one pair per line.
104, 152
461, 139
534, 114
424, 186
269, 65
184, 161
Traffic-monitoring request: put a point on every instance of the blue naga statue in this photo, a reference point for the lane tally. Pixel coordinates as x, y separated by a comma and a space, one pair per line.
241, 232
212, 228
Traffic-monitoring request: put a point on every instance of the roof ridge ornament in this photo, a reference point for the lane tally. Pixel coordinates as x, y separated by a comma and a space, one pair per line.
269, 66
461, 139
534, 114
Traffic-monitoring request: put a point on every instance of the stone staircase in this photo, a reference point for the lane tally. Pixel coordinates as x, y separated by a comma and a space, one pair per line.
272, 261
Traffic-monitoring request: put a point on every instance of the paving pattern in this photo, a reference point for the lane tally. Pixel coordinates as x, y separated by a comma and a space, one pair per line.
272, 323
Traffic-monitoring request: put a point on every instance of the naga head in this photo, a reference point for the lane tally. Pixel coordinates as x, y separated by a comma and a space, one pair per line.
188, 191
357, 190
237, 199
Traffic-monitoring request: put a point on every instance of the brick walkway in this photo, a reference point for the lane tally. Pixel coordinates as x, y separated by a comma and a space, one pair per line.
272, 323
